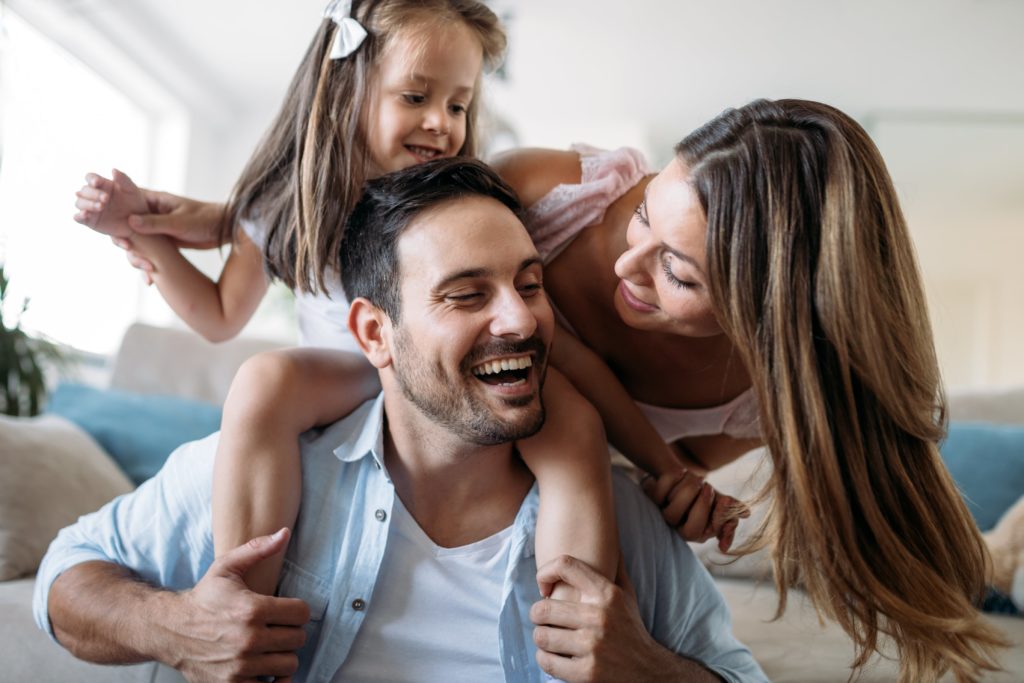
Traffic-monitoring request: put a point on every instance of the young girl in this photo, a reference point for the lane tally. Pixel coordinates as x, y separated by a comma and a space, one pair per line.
390, 84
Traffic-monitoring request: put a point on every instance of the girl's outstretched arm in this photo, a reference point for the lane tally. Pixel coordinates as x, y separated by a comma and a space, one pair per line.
217, 310
687, 502
257, 476
569, 458
190, 223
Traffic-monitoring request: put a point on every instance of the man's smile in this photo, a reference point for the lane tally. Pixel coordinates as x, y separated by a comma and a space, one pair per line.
510, 371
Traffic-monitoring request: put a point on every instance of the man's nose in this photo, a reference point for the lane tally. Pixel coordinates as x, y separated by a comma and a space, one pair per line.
513, 317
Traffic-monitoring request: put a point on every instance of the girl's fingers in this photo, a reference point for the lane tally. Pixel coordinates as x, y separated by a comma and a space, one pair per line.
728, 535
681, 498
658, 489
88, 204
86, 218
99, 182
695, 525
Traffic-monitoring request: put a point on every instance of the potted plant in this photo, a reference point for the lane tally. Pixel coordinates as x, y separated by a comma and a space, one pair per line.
23, 361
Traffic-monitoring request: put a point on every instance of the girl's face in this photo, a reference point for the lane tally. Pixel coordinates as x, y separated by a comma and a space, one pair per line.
423, 85
664, 285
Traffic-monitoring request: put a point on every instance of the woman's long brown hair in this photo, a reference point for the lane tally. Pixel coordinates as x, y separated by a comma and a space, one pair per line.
814, 276
308, 171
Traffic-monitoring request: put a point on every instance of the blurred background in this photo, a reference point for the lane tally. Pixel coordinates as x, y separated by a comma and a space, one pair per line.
178, 94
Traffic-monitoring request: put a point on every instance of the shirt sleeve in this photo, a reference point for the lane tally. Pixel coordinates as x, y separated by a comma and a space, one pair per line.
679, 601
161, 531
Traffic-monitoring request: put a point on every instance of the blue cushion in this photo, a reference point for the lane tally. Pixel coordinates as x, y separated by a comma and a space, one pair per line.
987, 463
139, 431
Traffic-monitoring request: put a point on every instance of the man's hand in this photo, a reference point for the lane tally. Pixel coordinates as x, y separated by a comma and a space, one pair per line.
601, 637
227, 632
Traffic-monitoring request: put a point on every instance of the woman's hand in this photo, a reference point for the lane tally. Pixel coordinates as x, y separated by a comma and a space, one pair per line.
693, 508
189, 223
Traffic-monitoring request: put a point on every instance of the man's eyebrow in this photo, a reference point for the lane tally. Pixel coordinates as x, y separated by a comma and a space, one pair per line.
470, 273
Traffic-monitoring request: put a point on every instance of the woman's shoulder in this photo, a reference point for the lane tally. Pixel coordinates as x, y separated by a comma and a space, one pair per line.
534, 172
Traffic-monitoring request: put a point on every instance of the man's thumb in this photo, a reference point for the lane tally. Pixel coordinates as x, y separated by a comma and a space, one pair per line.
238, 561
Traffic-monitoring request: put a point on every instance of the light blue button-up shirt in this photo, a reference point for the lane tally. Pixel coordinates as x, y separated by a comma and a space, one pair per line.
163, 532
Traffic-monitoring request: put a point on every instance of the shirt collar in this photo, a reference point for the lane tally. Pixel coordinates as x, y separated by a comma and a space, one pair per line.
362, 433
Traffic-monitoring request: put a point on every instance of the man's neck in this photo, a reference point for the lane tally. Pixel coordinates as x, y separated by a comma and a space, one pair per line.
457, 492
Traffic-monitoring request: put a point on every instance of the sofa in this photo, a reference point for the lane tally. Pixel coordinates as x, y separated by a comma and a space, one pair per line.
794, 648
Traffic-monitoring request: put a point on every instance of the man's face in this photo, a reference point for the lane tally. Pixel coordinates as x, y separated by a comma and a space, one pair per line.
470, 349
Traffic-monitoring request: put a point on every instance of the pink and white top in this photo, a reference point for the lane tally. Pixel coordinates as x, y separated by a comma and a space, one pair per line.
558, 217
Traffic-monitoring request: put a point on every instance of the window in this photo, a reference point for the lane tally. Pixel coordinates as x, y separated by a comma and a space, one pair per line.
59, 119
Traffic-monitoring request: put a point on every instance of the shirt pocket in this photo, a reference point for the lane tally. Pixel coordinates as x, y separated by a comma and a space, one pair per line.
296, 582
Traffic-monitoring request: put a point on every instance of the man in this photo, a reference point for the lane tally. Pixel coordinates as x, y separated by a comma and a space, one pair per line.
412, 555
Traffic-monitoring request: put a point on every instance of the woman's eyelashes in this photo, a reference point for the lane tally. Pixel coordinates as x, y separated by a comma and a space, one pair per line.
671, 277
641, 213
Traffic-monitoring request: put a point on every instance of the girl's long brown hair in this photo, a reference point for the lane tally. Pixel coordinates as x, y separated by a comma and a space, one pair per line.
308, 171
815, 281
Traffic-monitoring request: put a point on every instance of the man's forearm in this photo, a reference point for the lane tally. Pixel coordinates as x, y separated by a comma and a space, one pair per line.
672, 667
103, 613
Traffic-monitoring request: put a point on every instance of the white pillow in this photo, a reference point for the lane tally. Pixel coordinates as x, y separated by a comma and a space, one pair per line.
51, 473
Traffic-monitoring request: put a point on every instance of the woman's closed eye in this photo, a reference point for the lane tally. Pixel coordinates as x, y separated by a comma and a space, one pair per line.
673, 280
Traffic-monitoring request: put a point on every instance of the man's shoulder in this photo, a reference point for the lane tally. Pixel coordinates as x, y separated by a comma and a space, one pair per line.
631, 505
646, 540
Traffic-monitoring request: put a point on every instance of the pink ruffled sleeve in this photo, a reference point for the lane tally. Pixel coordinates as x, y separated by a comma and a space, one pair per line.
557, 217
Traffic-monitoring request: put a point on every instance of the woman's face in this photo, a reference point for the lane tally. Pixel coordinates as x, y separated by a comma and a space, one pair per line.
663, 283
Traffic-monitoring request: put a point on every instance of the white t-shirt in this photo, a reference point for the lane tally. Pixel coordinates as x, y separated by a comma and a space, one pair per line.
434, 613
323, 319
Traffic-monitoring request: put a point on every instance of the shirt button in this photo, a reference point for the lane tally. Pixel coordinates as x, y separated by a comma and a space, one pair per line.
359, 604
380, 515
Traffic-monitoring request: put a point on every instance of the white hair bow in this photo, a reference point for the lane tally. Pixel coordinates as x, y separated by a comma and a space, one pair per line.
350, 33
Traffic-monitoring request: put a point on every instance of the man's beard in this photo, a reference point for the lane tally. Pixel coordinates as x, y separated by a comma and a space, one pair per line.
451, 402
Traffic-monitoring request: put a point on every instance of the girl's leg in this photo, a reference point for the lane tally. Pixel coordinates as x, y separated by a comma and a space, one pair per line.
257, 475
569, 458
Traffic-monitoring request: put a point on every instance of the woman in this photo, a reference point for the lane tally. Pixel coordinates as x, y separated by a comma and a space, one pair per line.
768, 271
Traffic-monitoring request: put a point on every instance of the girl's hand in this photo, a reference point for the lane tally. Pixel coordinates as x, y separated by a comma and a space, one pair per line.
693, 507
101, 206
189, 223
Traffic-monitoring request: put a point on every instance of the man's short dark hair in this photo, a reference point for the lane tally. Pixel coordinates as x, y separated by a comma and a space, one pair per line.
369, 255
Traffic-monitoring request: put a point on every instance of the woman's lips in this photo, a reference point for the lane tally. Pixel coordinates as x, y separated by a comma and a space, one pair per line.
630, 300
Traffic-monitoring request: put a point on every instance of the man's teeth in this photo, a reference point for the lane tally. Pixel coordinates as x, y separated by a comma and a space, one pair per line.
495, 366
424, 152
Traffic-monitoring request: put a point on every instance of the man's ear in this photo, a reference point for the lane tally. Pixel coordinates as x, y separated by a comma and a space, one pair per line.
371, 328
